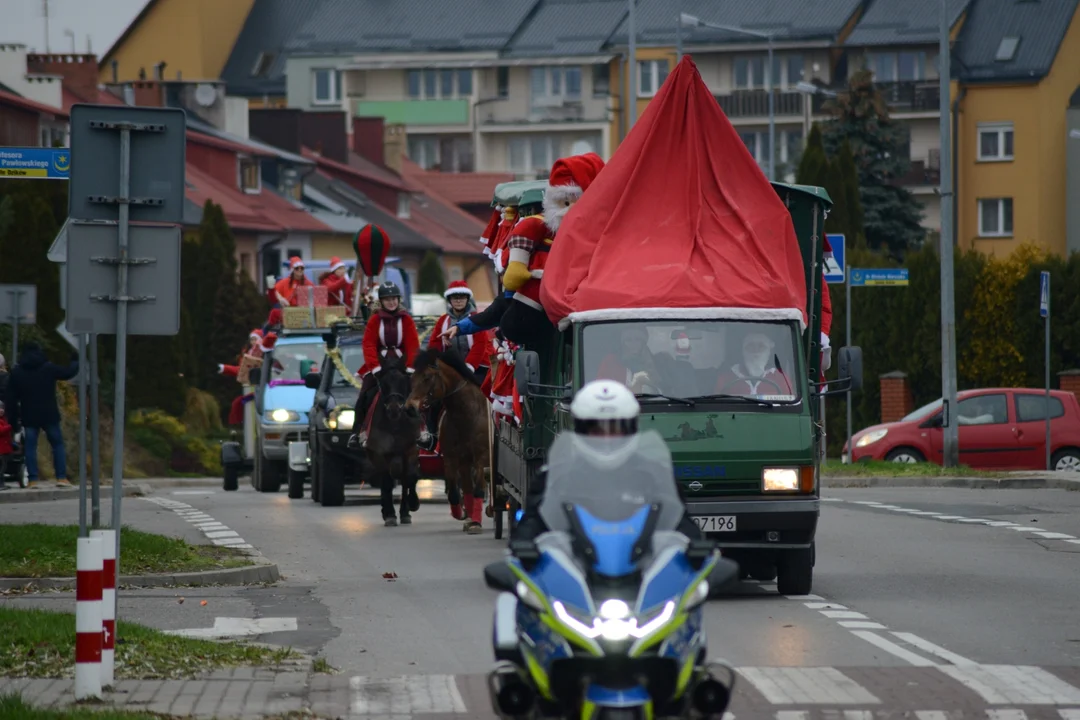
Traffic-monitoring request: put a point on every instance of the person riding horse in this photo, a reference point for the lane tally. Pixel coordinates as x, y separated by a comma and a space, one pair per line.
390, 330
474, 349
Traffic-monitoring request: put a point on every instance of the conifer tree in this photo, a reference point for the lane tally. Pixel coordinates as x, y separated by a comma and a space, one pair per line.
431, 278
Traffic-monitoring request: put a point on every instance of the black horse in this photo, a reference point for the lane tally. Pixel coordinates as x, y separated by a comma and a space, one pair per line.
392, 453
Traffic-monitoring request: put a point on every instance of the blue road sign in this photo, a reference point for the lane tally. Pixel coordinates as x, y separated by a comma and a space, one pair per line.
834, 264
1044, 293
35, 163
866, 277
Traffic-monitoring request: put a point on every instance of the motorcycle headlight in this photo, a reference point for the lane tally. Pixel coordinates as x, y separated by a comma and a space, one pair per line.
283, 416
614, 629
871, 437
528, 596
698, 595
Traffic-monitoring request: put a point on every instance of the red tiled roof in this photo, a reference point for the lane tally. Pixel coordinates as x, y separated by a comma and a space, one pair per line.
223, 144
360, 167
265, 212
101, 97
458, 188
22, 103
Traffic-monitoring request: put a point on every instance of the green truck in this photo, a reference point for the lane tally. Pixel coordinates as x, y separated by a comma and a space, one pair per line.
747, 459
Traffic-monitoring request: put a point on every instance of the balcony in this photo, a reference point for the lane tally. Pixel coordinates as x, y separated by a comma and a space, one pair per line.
920, 174
755, 103
416, 112
921, 96
550, 111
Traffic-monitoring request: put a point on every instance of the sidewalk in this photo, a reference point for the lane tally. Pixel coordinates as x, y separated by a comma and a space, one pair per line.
47, 490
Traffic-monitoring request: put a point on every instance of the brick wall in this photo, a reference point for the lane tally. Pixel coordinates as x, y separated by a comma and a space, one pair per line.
1069, 381
80, 72
896, 399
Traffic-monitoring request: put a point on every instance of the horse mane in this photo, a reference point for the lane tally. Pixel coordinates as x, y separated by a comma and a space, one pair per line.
429, 357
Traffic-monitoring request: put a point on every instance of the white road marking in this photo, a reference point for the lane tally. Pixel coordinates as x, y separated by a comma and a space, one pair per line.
866, 502
1001, 523
831, 500
239, 627
792, 715
890, 647
1026, 528
930, 715
858, 715
1074, 542
861, 625
194, 492
229, 542
948, 517
795, 685
933, 649
1020, 684
1006, 714
972, 520
405, 695
1055, 536
217, 533
825, 606
843, 615
222, 534
804, 597
1069, 714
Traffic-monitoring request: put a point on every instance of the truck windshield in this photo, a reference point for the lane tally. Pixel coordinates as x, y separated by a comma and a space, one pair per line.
290, 362
696, 359
353, 357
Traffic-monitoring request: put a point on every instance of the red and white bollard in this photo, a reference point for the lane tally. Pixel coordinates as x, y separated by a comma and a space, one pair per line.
108, 603
89, 569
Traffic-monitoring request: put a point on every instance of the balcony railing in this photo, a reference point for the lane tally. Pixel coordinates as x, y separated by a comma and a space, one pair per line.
901, 97
755, 103
919, 174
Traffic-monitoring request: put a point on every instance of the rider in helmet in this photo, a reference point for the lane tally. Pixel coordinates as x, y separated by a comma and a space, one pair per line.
604, 408
390, 331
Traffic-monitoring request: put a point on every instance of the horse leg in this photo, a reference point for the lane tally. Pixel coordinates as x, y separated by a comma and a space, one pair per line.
476, 482
411, 478
453, 489
397, 471
386, 495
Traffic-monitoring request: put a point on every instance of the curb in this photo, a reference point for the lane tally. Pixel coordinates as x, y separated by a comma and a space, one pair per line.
973, 483
262, 571
27, 495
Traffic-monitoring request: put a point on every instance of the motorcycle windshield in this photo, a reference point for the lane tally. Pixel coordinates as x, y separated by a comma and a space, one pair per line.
613, 480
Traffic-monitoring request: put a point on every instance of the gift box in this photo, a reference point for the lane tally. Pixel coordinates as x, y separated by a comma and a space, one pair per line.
311, 295
297, 318
327, 316
247, 364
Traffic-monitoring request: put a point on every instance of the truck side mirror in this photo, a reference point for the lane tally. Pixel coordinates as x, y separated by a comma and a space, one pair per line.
850, 367
526, 371
312, 380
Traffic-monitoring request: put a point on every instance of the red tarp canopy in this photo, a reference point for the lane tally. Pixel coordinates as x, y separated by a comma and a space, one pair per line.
682, 217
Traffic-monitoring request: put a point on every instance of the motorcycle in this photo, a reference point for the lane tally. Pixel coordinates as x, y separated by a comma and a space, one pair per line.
600, 617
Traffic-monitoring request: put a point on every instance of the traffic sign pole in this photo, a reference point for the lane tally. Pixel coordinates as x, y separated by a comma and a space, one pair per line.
847, 341
1044, 310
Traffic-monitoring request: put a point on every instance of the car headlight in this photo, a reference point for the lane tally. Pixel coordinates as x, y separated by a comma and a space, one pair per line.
871, 437
283, 416
780, 479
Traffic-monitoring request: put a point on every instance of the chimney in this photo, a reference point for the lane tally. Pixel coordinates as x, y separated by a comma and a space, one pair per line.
80, 72
367, 140
147, 93
280, 128
394, 147
896, 400
325, 131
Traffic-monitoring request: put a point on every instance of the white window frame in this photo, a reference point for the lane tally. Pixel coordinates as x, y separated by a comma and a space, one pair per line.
999, 129
549, 72
783, 82
241, 161
456, 94
404, 205
1001, 232
335, 83
653, 68
894, 55
427, 144
531, 166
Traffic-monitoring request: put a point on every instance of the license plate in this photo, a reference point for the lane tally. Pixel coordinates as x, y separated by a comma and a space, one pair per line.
715, 523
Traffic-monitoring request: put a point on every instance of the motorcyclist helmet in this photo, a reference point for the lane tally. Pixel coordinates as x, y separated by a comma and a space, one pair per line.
605, 408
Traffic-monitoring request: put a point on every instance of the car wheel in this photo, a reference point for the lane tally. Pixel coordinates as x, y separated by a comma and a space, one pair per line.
1067, 460
231, 481
905, 455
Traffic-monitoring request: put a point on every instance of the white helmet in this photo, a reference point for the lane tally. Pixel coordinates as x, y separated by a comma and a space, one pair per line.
605, 407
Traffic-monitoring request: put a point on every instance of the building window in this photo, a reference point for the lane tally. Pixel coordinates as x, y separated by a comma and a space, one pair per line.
263, 64
554, 84
502, 82
249, 181
651, 75
996, 217
995, 141
749, 71
424, 150
327, 86
445, 84
404, 206
447, 154
789, 147
464, 82
532, 154
601, 80
897, 66
455, 273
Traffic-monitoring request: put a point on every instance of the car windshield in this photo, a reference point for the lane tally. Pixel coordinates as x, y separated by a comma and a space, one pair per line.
696, 359
290, 361
611, 478
353, 357
922, 412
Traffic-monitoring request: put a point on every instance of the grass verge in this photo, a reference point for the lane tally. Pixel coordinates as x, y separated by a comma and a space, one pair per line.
38, 643
37, 550
12, 706
834, 468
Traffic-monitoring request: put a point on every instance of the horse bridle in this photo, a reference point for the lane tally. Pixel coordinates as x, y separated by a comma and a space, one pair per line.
388, 396
442, 380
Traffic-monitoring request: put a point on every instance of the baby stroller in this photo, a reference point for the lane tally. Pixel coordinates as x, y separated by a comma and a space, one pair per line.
14, 465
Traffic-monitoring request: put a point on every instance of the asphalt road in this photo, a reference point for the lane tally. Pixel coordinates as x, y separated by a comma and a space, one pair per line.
908, 581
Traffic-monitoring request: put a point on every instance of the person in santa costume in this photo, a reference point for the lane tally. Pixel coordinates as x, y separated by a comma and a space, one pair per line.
525, 321
633, 365
826, 317
336, 282
754, 376
258, 346
390, 330
285, 289
502, 388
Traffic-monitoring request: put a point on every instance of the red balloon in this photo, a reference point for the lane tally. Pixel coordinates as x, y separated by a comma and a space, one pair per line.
371, 246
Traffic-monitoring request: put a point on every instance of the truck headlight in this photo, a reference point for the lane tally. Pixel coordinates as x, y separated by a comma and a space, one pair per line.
871, 437
283, 416
345, 419
780, 480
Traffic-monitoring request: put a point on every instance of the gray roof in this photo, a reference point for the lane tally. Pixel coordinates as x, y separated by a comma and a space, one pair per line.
1039, 27
786, 19
904, 22
567, 28
196, 125
269, 24
368, 26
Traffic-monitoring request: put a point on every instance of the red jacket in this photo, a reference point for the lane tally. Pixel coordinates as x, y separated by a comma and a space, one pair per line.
5, 437
826, 308
286, 287
398, 336
479, 344
338, 288
529, 243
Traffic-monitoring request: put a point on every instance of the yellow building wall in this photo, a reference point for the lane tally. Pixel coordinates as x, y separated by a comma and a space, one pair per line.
618, 87
193, 37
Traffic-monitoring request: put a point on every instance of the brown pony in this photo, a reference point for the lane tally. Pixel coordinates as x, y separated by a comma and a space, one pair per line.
442, 379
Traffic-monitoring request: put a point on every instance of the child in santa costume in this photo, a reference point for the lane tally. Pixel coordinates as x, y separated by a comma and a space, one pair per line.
259, 346
336, 282
525, 321
390, 330
285, 289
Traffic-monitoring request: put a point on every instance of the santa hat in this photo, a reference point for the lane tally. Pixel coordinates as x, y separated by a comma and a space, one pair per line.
492, 226
256, 333
335, 263
295, 262
682, 345
571, 176
458, 287
268, 342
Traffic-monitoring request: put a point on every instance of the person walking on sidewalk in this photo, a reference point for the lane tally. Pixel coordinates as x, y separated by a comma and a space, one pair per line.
31, 402
6, 448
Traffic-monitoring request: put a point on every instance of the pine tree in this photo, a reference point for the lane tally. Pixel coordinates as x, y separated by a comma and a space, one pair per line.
838, 220
814, 164
850, 175
431, 278
879, 146
211, 268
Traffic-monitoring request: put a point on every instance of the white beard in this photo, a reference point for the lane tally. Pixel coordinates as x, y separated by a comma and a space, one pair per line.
755, 364
555, 207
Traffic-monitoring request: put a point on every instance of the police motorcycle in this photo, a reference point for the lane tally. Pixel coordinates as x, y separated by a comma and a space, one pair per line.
600, 617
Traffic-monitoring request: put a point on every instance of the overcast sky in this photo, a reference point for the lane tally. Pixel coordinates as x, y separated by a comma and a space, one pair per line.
23, 21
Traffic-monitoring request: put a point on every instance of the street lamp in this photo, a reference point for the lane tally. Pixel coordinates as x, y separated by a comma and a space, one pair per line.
951, 435
807, 88
692, 21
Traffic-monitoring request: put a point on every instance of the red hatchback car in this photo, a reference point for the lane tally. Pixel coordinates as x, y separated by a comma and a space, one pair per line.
1000, 429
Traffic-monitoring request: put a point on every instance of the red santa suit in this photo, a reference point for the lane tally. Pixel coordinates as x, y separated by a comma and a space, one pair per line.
388, 333
474, 348
752, 376
503, 388
492, 229
826, 318
266, 344
286, 286
338, 289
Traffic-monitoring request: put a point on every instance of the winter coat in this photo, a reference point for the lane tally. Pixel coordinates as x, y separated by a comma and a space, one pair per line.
32, 389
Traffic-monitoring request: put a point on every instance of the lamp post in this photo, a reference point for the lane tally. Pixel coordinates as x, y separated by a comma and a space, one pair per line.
631, 65
687, 20
951, 439
810, 89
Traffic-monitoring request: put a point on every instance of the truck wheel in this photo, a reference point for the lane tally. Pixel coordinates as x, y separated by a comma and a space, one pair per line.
271, 475
257, 469
499, 514
296, 484
795, 571
231, 483
331, 480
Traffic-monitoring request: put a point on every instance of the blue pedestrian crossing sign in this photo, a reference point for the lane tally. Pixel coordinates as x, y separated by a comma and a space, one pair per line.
1044, 293
834, 263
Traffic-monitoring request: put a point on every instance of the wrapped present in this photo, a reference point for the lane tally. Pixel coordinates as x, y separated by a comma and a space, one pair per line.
247, 364
297, 318
327, 316
311, 296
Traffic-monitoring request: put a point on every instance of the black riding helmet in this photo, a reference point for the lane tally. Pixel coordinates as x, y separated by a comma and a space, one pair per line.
389, 290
